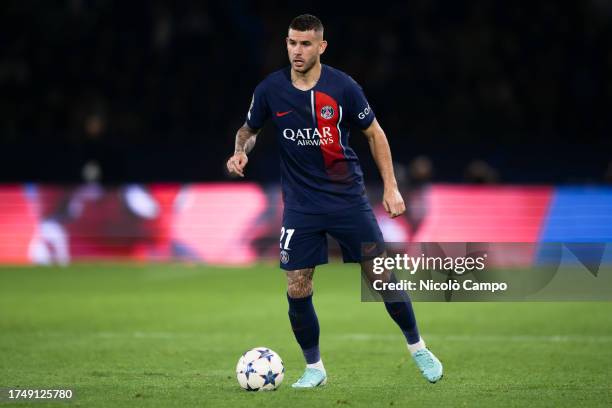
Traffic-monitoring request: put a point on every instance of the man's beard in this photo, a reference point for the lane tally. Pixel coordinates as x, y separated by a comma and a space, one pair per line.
306, 67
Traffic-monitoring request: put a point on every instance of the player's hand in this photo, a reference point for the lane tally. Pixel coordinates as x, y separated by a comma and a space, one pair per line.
237, 163
393, 202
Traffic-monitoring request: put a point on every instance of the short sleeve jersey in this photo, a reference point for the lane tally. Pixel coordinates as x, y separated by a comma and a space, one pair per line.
320, 173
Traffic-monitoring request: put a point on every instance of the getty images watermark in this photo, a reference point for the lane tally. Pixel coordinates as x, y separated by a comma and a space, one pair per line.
455, 265
477, 271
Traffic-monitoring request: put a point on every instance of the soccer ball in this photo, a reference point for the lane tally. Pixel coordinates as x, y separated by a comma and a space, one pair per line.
260, 369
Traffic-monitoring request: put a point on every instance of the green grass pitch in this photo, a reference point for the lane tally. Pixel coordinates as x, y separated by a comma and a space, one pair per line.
170, 335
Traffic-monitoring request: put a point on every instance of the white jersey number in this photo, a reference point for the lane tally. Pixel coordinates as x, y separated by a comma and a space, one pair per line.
287, 239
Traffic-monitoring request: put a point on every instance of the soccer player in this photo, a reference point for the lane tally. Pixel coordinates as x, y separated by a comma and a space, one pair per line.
312, 105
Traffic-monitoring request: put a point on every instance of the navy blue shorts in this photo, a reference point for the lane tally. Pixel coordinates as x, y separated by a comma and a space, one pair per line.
303, 242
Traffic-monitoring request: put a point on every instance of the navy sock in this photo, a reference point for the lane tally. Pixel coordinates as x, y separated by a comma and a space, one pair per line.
305, 326
400, 309
403, 315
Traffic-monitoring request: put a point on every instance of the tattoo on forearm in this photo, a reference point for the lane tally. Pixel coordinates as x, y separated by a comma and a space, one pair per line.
245, 139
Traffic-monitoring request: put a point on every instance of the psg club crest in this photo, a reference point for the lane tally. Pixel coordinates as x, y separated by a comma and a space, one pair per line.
327, 112
284, 256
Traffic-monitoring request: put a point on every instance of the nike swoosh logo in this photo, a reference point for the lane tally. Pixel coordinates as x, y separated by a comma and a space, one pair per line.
281, 114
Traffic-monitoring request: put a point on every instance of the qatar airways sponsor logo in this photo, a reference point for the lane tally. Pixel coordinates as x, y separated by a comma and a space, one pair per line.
309, 136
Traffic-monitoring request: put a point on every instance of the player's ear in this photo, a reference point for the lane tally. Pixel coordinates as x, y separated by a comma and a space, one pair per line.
322, 47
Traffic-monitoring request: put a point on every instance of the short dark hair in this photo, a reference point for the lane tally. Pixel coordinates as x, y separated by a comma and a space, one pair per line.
306, 22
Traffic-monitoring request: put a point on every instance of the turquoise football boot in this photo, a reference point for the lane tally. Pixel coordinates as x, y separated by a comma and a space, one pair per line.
311, 378
430, 366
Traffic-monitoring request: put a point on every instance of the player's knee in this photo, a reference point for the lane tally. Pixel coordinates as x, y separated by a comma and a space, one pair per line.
299, 283
300, 288
367, 269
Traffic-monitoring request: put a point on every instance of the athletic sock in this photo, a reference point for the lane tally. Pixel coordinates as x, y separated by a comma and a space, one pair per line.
420, 345
399, 307
318, 365
403, 315
305, 326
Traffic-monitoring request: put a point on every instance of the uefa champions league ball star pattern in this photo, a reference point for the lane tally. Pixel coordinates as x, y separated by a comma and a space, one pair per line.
260, 369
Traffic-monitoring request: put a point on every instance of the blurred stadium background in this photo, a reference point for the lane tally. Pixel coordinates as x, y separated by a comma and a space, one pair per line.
116, 119
154, 91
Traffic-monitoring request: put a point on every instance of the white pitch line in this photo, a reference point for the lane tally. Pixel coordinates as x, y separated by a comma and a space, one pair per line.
482, 338
476, 338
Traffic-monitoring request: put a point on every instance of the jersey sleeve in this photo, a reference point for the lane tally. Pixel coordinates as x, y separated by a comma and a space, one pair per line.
357, 107
258, 111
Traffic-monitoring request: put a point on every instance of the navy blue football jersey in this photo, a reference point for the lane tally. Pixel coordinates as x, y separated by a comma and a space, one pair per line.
320, 172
